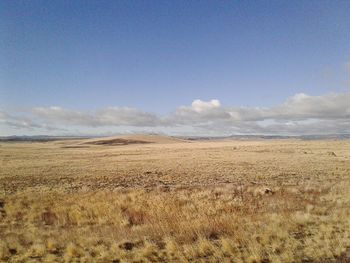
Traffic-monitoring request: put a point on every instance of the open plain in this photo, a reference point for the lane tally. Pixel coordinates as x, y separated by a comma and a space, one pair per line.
160, 199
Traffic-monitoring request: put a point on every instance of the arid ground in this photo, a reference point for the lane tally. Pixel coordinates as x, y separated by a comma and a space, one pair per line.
159, 199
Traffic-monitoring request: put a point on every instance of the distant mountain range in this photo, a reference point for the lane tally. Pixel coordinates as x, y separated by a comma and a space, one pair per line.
46, 138
272, 137
38, 138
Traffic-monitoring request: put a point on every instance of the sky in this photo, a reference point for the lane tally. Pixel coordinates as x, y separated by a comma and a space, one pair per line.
174, 67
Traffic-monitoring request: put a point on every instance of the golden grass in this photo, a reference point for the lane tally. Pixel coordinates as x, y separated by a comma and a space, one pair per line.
222, 201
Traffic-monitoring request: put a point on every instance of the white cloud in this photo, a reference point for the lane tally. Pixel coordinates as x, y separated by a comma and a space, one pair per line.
202, 106
302, 106
20, 122
111, 116
299, 114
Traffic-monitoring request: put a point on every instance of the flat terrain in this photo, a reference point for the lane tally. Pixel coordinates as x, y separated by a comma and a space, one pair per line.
159, 199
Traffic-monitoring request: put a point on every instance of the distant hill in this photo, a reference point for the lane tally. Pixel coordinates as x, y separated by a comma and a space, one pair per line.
132, 139
153, 138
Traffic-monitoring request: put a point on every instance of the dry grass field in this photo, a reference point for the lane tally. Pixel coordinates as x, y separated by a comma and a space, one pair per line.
156, 199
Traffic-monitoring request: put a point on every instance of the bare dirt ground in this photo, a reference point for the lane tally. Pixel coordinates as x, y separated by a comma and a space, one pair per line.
158, 199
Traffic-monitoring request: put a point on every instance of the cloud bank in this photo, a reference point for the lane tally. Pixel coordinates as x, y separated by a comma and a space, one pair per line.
300, 114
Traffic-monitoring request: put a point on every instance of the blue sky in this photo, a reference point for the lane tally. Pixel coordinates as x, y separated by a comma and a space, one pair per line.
157, 57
